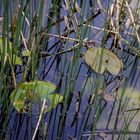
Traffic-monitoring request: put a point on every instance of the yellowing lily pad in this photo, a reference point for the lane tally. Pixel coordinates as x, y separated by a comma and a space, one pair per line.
31, 94
103, 58
17, 60
26, 53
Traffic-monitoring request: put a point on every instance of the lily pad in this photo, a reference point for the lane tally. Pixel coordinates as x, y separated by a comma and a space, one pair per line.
31, 94
54, 100
105, 59
17, 60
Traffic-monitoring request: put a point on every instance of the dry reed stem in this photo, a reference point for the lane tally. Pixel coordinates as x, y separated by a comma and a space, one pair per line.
39, 120
100, 6
117, 23
24, 40
26, 19
133, 21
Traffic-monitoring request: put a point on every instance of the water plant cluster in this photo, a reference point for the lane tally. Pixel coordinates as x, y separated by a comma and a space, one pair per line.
69, 69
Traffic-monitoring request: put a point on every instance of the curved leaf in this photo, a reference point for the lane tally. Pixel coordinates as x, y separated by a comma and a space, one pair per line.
92, 59
106, 59
28, 94
54, 100
17, 60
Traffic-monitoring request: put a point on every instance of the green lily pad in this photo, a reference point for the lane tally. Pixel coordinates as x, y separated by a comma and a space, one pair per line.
110, 61
54, 100
17, 60
30, 94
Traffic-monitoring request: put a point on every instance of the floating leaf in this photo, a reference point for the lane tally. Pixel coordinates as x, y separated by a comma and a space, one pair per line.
39, 87
94, 57
30, 94
54, 100
17, 60
26, 53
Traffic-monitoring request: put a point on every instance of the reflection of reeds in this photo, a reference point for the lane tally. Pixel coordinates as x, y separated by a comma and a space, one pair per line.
57, 39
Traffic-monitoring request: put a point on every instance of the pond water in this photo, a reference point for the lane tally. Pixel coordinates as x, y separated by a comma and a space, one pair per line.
111, 117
